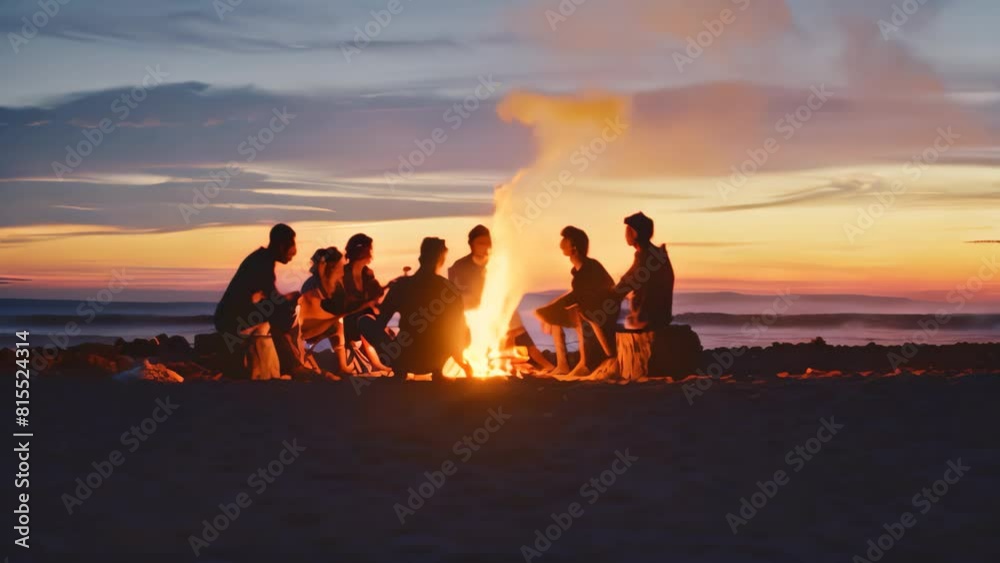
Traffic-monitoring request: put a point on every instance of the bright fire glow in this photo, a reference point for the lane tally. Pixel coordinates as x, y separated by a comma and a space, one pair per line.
526, 213
501, 295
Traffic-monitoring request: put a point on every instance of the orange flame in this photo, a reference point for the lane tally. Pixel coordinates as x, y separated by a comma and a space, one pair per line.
561, 124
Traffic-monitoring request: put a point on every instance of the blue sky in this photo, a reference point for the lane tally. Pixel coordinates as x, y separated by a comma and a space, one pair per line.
362, 104
296, 46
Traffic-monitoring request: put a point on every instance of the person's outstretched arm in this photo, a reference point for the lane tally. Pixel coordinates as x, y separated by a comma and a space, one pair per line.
333, 306
627, 283
389, 307
320, 309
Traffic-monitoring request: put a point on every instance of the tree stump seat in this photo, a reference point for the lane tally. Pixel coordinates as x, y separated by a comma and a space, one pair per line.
670, 351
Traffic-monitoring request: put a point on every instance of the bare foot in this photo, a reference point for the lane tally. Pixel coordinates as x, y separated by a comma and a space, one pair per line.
558, 370
347, 371
579, 371
608, 369
544, 364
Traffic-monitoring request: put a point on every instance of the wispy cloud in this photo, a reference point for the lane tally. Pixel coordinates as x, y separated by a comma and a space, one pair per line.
832, 191
271, 27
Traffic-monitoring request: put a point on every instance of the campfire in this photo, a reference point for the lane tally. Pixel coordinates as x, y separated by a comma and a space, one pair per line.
490, 353
561, 125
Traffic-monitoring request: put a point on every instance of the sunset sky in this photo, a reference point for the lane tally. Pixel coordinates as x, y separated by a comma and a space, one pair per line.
845, 117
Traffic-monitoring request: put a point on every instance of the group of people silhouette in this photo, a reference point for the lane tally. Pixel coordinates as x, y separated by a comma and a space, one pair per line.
344, 303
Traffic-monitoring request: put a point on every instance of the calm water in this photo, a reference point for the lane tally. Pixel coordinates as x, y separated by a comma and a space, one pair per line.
51, 320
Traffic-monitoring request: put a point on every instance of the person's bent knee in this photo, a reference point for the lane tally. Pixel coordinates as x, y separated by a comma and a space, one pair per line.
336, 340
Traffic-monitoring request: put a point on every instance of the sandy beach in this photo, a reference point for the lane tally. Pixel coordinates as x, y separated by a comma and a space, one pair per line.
360, 449
561, 281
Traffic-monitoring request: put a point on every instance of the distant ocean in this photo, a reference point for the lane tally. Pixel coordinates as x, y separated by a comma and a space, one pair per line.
721, 320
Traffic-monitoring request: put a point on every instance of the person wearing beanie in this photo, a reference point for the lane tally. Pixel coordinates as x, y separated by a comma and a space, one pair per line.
641, 226
432, 326
650, 280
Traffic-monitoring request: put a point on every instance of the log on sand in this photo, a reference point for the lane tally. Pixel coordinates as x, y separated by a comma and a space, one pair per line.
672, 351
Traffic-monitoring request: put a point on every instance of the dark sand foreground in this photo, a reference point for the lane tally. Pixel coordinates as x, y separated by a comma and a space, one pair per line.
363, 452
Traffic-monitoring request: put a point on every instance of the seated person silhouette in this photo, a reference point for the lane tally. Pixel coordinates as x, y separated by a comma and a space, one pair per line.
650, 280
469, 276
253, 306
469, 272
322, 307
363, 293
432, 325
589, 301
